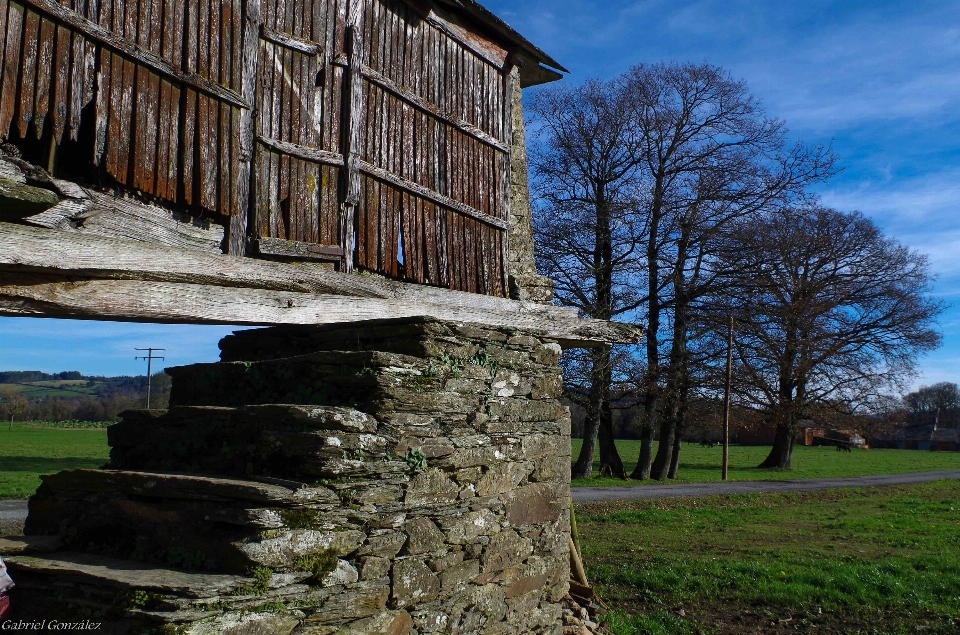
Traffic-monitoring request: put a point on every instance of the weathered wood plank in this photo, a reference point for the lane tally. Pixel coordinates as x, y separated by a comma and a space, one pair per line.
291, 41
104, 215
28, 72
299, 250
31, 249
77, 68
11, 66
168, 302
123, 45
419, 190
302, 152
427, 106
352, 118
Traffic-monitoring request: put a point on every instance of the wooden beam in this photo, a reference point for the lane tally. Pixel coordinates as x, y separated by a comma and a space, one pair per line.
239, 225
427, 193
105, 215
291, 41
416, 100
78, 256
481, 46
136, 53
313, 155
351, 117
299, 250
44, 295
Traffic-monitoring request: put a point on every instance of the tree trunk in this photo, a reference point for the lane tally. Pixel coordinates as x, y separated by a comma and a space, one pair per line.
583, 468
779, 457
675, 455
678, 429
678, 348
642, 470
601, 378
683, 393
661, 464
651, 402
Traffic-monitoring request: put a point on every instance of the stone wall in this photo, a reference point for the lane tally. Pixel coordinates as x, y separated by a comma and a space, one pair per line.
525, 282
397, 477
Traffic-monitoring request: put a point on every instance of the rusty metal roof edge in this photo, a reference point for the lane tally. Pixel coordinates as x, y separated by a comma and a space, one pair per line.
495, 23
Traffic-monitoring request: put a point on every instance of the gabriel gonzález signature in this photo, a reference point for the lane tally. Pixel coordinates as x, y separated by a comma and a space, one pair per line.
48, 625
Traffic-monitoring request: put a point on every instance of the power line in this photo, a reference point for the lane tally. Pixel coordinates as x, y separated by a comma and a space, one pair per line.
149, 357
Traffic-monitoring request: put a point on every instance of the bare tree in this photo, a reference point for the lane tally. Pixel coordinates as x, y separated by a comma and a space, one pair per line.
14, 404
939, 404
711, 156
589, 230
833, 313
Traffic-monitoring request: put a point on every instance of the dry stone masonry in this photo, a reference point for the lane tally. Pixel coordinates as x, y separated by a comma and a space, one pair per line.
384, 477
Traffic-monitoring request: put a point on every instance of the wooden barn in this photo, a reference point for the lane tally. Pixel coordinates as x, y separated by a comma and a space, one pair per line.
380, 136
370, 133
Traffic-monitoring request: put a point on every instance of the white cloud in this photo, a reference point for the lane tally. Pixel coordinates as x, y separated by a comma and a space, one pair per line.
923, 212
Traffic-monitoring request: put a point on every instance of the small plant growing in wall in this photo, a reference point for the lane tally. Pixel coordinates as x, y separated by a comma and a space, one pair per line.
482, 358
416, 459
455, 364
261, 582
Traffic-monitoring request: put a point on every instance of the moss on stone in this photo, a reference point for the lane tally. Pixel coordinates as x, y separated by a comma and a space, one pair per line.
301, 518
319, 564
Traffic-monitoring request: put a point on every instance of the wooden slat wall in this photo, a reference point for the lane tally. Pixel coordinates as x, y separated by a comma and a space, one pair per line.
298, 103
163, 78
422, 144
162, 84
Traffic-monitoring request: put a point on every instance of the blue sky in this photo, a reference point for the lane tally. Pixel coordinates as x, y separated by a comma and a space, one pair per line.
878, 79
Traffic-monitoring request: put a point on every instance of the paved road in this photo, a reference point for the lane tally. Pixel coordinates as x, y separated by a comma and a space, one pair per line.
16, 510
11, 511
674, 490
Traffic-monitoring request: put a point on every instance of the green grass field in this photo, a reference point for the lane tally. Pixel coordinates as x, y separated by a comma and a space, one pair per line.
874, 561
27, 452
700, 465
53, 388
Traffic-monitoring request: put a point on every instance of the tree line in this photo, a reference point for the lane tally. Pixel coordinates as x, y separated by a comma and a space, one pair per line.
938, 404
99, 399
667, 196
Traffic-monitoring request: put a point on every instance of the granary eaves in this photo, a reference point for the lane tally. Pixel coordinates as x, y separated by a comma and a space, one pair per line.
533, 54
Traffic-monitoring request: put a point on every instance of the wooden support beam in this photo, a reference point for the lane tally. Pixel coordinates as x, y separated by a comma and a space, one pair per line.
298, 250
314, 155
43, 295
253, 291
291, 41
351, 117
105, 215
416, 100
425, 192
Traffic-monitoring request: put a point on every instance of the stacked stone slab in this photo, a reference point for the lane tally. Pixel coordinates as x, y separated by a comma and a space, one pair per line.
383, 477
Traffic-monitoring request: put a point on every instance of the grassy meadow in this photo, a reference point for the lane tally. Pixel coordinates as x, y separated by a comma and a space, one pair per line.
34, 448
53, 388
878, 561
28, 451
882, 561
699, 464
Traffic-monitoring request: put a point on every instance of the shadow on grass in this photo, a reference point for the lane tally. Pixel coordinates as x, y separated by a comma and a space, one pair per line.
47, 465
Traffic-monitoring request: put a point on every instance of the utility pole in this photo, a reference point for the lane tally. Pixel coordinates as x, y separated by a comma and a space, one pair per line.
726, 403
149, 357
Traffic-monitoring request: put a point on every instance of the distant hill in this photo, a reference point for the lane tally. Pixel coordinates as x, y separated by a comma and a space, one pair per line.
72, 395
